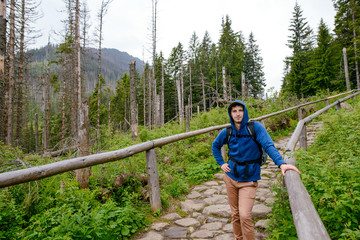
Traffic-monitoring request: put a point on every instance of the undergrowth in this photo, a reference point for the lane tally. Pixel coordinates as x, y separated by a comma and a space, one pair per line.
330, 173
55, 207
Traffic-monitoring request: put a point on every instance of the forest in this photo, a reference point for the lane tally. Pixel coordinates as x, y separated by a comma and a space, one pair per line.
204, 75
64, 101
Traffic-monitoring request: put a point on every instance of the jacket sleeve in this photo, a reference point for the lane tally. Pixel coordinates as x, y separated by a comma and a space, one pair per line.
216, 147
263, 137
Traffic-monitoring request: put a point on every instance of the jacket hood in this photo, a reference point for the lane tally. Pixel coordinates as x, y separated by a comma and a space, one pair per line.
245, 117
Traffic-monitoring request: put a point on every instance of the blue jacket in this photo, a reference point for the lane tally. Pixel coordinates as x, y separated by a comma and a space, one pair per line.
244, 148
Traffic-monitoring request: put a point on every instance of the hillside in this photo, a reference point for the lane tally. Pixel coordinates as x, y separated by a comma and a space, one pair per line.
114, 63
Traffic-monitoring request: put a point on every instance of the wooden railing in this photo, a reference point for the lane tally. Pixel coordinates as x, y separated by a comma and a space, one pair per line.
306, 219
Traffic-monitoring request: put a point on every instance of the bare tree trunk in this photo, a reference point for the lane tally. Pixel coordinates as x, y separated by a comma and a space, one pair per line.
154, 13
20, 78
2, 68
26, 110
190, 97
36, 134
101, 14
355, 47
162, 109
83, 175
203, 91
77, 72
243, 86
347, 79
44, 136
133, 104
83, 50
224, 84
47, 107
144, 99
230, 90
149, 99
63, 109
178, 88
182, 103
11, 54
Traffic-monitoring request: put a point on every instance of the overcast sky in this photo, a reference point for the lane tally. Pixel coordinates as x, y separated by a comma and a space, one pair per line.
128, 22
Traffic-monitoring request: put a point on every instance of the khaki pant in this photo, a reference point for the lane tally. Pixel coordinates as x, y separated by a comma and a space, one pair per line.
241, 196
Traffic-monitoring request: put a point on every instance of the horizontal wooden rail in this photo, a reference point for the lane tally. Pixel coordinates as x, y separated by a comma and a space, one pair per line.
306, 219
295, 136
300, 106
43, 171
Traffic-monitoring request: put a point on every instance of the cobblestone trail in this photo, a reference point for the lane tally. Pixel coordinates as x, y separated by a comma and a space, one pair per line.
208, 214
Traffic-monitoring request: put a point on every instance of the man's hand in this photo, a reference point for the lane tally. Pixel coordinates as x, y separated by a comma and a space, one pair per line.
285, 167
225, 167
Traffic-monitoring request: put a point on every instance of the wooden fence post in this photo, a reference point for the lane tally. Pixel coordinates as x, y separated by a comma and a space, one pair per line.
303, 138
299, 113
153, 179
338, 106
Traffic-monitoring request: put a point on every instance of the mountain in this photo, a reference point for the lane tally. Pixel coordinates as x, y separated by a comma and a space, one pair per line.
114, 63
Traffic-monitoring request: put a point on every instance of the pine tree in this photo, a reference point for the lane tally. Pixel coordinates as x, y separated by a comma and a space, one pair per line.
301, 44
347, 23
322, 66
253, 67
231, 52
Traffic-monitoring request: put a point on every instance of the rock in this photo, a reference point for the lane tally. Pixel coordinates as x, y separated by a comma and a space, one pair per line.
186, 222
175, 232
210, 192
211, 183
193, 194
152, 236
260, 211
190, 206
219, 176
225, 236
262, 223
216, 199
159, 226
202, 234
212, 226
214, 219
221, 210
171, 216
228, 228
200, 188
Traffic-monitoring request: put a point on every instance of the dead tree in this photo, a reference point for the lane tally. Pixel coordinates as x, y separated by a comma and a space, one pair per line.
133, 103
2, 67
224, 83
83, 174
11, 74
101, 14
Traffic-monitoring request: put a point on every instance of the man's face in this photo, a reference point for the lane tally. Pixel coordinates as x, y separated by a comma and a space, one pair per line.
237, 113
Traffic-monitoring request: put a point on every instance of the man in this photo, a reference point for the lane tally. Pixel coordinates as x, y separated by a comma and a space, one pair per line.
242, 172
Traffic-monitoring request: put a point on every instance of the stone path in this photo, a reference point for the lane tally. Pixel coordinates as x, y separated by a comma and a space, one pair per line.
205, 212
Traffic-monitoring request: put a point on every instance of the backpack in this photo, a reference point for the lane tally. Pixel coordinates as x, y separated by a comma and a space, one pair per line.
251, 129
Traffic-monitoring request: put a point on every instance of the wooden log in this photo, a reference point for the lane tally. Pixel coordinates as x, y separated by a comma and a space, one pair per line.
306, 219
295, 107
43, 171
153, 179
